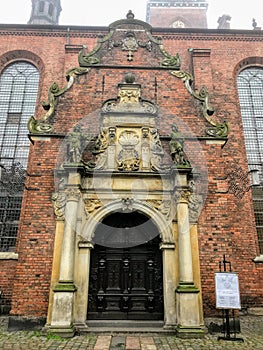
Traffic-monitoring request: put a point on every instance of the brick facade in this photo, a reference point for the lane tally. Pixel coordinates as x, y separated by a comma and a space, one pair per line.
165, 17
226, 224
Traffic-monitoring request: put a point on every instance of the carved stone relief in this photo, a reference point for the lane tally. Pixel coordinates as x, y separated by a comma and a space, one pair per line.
92, 204
128, 158
157, 152
59, 204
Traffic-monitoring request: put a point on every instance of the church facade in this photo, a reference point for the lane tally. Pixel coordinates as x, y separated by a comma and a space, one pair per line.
126, 177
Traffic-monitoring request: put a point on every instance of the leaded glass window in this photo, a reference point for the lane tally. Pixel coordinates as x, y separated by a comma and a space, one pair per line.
18, 92
250, 89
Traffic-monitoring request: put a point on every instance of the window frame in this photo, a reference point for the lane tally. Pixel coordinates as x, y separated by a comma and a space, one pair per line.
19, 86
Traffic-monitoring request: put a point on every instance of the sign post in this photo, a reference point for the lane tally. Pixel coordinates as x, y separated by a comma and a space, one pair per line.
227, 296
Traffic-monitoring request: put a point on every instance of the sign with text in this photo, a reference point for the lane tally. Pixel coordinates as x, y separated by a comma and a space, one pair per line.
227, 290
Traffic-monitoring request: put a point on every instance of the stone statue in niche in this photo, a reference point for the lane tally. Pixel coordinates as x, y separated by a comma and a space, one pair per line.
156, 150
177, 147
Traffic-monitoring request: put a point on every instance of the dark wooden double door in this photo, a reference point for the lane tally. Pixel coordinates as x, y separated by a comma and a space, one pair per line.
126, 283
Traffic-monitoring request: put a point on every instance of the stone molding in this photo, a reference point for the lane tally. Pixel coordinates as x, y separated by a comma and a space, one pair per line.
8, 256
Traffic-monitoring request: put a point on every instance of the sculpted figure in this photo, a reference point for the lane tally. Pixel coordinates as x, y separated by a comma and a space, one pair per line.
177, 147
75, 144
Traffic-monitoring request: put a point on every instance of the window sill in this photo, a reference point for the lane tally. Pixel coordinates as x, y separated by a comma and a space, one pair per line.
258, 259
8, 256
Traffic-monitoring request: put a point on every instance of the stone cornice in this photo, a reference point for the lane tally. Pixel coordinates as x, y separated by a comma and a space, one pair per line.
211, 35
42, 33
167, 33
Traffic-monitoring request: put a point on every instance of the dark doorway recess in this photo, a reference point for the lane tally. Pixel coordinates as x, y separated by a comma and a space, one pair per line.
120, 230
126, 282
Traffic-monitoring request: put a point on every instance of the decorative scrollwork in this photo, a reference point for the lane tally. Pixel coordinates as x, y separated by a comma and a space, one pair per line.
92, 204
43, 125
195, 205
90, 58
217, 129
170, 61
59, 204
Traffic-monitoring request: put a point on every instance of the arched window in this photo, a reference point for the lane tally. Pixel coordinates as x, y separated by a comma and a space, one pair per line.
42, 6
18, 92
250, 89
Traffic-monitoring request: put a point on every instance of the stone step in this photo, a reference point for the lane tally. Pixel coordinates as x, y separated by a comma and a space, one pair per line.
117, 326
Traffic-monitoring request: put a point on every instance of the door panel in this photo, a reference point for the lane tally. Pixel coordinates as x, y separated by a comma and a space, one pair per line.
126, 283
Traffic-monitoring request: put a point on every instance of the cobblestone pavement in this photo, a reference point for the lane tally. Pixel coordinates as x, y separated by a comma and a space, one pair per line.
251, 333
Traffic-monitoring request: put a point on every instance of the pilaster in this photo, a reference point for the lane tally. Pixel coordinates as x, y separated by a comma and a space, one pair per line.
82, 272
63, 302
169, 285
187, 294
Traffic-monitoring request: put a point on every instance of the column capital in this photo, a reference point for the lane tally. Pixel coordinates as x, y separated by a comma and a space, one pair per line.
73, 194
183, 195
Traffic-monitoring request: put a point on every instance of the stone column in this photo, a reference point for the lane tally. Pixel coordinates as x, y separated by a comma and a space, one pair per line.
187, 301
62, 312
55, 266
184, 240
82, 281
169, 285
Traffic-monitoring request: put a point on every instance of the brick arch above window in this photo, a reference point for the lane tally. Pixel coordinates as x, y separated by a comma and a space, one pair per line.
248, 62
21, 55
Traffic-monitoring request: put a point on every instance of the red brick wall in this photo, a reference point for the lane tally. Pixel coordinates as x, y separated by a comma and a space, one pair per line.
226, 224
7, 273
165, 17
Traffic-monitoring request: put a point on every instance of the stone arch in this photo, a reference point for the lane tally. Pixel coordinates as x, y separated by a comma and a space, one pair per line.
163, 225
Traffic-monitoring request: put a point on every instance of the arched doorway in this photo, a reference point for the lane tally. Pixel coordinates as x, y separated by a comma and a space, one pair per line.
126, 278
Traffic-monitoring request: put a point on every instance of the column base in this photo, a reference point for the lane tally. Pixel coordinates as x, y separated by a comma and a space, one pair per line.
81, 328
188, 312
62, 311
186, 332
187, 287
61, 331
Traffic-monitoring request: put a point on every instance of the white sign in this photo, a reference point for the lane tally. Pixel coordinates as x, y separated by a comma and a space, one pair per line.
227, 290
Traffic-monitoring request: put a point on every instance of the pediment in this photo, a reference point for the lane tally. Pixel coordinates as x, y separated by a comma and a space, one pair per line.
134, 42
